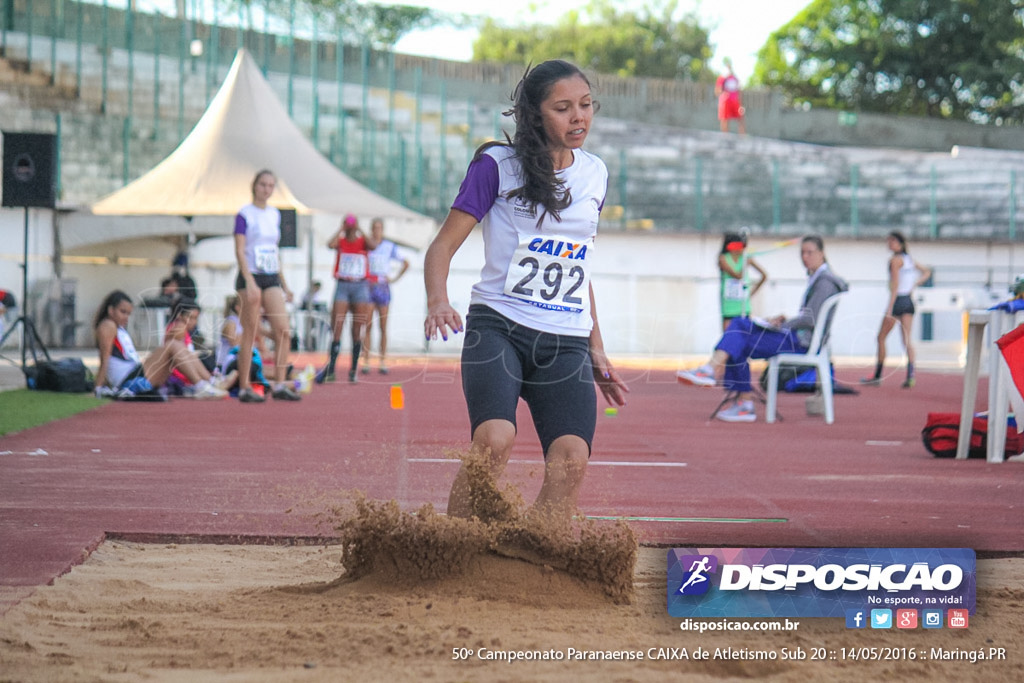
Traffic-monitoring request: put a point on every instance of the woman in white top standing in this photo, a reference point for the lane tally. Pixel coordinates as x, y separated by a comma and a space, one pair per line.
532, 329
904, 276
261, 288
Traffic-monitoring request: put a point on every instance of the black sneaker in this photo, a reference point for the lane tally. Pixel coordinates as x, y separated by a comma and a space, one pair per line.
250, 396
324, 376
908, 383
285, 394
352, 378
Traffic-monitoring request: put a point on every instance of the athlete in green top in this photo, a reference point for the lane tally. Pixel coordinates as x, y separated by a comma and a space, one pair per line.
734, 282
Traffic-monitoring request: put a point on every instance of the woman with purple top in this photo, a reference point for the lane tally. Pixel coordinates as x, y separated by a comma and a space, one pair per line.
532, 329
261, 288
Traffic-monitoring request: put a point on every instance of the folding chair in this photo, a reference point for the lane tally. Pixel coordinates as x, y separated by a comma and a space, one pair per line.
818, 355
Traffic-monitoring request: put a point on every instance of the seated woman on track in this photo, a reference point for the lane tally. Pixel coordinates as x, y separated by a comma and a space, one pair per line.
123, 374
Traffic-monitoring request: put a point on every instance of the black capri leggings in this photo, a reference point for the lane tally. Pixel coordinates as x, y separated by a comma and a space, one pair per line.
503, 361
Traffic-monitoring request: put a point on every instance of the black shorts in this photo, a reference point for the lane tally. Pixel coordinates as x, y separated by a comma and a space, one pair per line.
503, 361
903, 305
263, 281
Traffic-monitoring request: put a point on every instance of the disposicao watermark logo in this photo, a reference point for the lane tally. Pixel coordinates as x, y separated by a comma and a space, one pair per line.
696, 580
818, 582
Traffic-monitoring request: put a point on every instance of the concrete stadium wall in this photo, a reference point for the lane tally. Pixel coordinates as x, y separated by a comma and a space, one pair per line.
656, 293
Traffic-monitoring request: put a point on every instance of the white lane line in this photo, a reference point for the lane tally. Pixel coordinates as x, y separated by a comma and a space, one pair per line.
594, 463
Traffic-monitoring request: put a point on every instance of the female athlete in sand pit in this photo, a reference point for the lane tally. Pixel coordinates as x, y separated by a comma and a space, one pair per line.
532, 327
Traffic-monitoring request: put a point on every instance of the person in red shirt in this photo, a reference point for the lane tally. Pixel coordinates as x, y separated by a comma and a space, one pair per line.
730, 107
352, 292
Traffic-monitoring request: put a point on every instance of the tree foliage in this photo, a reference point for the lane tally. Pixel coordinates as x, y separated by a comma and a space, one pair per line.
650, 41
957, 59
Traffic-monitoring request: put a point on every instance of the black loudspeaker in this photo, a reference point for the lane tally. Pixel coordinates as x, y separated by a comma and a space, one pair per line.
289, 228
30, 169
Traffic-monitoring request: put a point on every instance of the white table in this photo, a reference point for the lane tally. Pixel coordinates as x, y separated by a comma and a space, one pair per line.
998, 323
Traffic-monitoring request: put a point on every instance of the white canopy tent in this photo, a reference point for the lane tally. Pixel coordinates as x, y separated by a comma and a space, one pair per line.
244, 129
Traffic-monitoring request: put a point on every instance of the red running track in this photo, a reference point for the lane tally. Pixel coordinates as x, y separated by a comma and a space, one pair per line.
231, 472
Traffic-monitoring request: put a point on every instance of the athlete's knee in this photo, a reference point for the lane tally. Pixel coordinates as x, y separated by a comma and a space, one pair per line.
495, 438
567, 458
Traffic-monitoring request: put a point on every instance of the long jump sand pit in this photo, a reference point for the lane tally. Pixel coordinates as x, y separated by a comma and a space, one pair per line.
191, 612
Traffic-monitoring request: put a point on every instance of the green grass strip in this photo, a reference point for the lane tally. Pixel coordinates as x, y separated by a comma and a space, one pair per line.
718, 520
22, 409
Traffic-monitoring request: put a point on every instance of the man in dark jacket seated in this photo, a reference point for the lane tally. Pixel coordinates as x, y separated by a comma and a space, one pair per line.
747, 338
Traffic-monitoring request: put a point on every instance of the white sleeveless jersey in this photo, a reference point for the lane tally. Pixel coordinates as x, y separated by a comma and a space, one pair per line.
540, 276
123, 358
906, 277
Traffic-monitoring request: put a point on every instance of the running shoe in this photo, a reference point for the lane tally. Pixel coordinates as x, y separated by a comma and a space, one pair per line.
250, 396
208, 392
383, 370
352, 378
871, 381
283, 393
226, 382
365, 369
325, 375
703, 376
740, 411
908, 383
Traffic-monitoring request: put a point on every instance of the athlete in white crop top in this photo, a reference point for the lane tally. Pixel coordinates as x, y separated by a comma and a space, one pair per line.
904, 276
261, 288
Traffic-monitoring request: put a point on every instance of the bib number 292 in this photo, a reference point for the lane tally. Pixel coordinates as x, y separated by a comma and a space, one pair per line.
553, 284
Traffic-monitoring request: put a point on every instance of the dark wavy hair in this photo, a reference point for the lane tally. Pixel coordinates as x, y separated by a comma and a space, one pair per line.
541, 186
112, 300
898, 236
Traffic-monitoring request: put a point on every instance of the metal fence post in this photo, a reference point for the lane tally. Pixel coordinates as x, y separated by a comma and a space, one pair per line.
291, 58
314, 71
421, 192
776, 198
6, 16
469, 131
53, 40
182, 43
213, 57
60, 134
442, 189
389, 145
266, 35
157, 21
28, 38
1013, 204
129, 43
623, 184
402, 197
105, 48
698, 196
125, 149
78, 49
854, 209
933, 204
339, 75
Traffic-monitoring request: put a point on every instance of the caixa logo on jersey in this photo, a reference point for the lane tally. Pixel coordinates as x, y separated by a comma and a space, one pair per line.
559, 248
816, 582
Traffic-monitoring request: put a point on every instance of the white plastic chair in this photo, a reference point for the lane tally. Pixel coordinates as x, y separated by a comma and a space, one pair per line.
818, 355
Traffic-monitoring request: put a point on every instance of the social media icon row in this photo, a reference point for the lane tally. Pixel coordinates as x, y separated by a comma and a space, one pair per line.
905, 618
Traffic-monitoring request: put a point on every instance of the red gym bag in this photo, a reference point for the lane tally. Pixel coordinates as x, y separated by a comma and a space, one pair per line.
941, 431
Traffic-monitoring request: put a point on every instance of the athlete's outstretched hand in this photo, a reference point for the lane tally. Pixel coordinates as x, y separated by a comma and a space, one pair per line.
607, 379
442, 318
